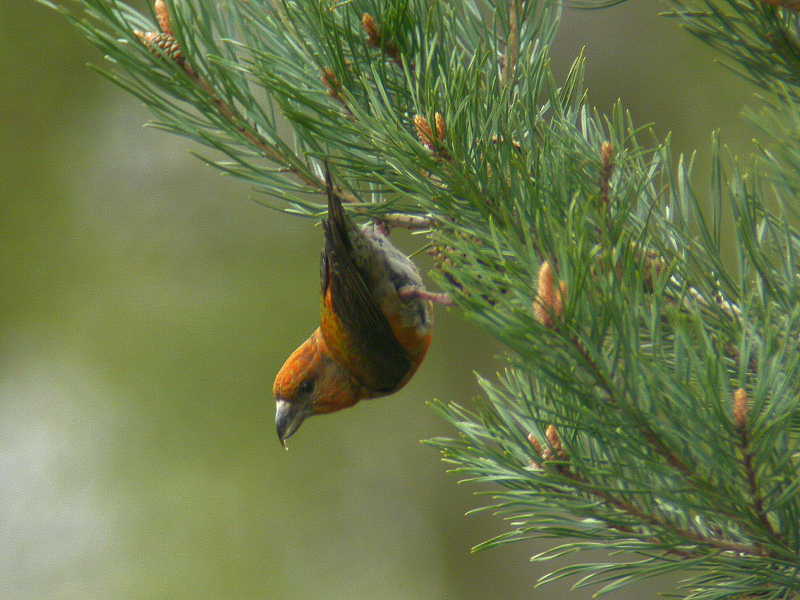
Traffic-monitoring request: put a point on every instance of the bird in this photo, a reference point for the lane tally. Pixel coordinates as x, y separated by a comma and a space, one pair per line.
375, 327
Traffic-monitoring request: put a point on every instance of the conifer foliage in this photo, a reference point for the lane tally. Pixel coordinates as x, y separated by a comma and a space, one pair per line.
649, 406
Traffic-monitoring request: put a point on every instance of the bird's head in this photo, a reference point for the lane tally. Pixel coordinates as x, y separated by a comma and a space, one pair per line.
309, 383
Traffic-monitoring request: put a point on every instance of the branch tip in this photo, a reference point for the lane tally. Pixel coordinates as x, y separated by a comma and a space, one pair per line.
424, 132
331, 82
428, 137
607, 154
499, 139
551, 433
540, 452
548, 306
161, 44
441, 126
371, 28
162, 16
376, 40
741, 408
607, 158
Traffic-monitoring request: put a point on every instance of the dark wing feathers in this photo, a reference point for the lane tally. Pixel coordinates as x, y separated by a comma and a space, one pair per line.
381, 360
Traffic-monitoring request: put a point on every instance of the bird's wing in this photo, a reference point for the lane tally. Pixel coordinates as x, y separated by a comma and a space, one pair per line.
353, 324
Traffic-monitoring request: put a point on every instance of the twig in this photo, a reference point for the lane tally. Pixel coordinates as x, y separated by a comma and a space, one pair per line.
166, 45
741, 411
653, 521
512, 44
410, 222
607, 157
556, 456
270, 152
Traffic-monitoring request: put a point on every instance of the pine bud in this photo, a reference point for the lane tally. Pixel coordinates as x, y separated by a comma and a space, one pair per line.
331, 82
496, 139
607, 155
551, 433
441, 127
424, 132
162, 16
741, 409
548, 306
162, 44
537, 445
540, 451
371, 27
607, 158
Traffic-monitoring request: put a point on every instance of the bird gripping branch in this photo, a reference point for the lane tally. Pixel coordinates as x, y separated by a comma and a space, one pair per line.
376, 322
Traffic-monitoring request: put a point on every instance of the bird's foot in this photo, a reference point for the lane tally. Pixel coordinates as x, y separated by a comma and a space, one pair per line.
381, 226
410, 292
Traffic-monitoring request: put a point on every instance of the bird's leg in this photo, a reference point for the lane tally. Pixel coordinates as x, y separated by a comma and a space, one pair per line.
408, 292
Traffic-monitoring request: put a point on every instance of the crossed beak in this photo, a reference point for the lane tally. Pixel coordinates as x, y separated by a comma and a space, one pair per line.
288, 418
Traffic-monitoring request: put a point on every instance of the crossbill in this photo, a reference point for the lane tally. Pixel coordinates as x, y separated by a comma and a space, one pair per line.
376, 321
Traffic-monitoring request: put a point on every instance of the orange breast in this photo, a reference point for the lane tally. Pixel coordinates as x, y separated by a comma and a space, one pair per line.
414, 341
411, 338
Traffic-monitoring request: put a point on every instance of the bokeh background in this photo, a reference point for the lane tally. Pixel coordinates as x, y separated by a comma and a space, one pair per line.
146, 305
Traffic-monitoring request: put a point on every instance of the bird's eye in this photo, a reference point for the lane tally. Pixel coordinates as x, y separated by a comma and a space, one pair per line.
307, 386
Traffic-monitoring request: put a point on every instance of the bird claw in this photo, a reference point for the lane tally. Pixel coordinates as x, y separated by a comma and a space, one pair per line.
409, 293
381, 226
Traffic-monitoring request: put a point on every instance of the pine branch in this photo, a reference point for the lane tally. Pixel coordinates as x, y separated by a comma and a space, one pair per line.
586, 251
166, 45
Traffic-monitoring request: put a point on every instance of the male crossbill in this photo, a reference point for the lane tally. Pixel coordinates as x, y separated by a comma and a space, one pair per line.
375, 325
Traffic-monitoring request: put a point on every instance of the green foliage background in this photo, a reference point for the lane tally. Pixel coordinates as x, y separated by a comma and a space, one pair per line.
147, 305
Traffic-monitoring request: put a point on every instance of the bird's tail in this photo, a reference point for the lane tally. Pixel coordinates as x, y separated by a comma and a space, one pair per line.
337, 224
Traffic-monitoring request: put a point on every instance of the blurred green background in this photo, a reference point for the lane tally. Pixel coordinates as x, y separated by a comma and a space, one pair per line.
147, 304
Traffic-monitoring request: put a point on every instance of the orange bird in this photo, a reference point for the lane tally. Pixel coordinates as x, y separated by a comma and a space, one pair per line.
375, 326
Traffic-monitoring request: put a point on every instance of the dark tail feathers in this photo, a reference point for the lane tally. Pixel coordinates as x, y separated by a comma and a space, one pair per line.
336, 224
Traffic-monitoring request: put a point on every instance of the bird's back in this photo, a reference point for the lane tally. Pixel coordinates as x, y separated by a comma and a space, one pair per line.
371, 330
